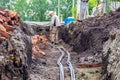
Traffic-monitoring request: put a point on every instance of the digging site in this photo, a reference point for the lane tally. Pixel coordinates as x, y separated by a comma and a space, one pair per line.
87, 50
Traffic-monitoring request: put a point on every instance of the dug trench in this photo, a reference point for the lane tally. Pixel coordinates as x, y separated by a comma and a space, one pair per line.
97, 38
46, 68
93, 45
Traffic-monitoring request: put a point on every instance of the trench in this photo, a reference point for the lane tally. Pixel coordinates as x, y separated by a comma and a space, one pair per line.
91, 44
49, 68
55, 66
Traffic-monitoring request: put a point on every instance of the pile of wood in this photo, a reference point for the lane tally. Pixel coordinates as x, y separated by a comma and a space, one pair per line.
15, 47
8, 19
38, 43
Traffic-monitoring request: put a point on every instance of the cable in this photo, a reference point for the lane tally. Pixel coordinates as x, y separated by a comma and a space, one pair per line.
72, 72
60, 64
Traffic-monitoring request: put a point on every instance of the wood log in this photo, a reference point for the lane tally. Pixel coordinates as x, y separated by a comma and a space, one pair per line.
89, 65
8, 28
2, 27
1, 39
5, 34
11, 13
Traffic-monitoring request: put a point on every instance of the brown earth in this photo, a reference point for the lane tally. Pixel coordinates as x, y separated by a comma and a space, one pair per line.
46, 68
88, 36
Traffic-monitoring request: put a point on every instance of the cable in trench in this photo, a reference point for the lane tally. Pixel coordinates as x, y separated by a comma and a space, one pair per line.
63, 51
72, 72
60, 64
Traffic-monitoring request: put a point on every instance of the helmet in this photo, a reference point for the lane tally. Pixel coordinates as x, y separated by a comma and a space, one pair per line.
51, 12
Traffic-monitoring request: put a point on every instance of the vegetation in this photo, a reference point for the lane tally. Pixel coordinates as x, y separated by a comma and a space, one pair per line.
92, 3
74, 11
36, 10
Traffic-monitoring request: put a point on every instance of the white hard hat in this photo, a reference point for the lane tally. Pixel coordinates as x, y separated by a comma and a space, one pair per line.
51, 12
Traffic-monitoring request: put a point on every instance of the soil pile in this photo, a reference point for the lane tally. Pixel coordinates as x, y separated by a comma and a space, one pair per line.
89, 35
32, 29
111, 53
87, 38
15, 47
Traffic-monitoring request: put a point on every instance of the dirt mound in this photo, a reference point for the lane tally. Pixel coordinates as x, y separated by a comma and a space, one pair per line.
94, 36
15, 47
111, 55
89, 35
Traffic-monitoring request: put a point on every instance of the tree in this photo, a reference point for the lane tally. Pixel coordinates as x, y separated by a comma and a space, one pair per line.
36, 10
4, 3
66, 6
92, 3
74, 11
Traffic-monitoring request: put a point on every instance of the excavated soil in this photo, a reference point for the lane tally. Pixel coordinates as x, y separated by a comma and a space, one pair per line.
87, 37
84, 40
90, 33
46, 68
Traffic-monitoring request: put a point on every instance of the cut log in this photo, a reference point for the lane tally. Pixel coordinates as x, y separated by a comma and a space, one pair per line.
8, 28
1, 39
2, 27
89, 65
11, 13
5, 34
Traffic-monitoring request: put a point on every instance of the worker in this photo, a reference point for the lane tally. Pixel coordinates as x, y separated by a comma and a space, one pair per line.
55, 23
99, 9
82, 11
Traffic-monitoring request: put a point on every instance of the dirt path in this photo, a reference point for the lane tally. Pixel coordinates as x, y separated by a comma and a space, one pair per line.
46, 68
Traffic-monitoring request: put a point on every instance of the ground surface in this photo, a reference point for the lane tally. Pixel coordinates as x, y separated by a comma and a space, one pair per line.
46, 68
